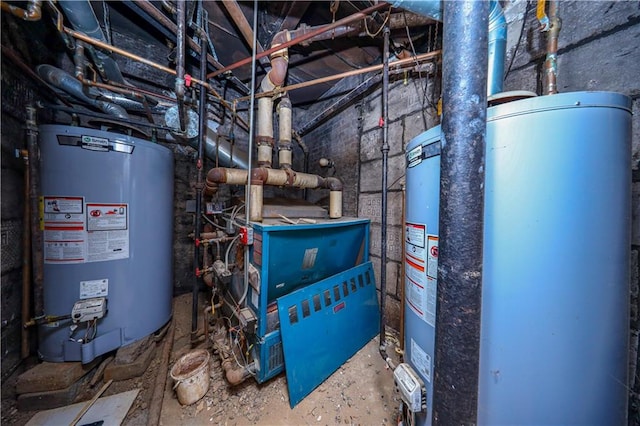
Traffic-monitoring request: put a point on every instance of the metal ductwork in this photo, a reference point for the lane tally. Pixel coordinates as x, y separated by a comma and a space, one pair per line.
497, 35
82, 18
67, 83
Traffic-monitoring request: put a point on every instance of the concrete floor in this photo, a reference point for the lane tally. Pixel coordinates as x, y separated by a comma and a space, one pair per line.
360, 392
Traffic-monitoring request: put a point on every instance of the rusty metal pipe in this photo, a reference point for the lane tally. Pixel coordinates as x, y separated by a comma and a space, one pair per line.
33, 12
37, 255
344, 21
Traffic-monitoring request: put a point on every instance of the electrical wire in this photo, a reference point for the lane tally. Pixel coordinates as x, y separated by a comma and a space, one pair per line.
212, 222
384, 23
226, 255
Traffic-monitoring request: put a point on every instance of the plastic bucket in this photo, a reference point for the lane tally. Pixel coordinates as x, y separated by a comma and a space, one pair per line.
191, 375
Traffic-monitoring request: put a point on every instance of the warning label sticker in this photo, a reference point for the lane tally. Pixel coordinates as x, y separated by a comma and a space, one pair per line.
79, 232
432, 256
64, 230
416, 281
108, 231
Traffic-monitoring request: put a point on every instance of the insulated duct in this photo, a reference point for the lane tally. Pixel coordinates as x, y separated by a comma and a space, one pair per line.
67, 83
497, 38
82, 19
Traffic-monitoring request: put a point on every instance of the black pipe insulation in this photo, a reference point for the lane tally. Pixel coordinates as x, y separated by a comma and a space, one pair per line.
385, 170
458, 309
202, 135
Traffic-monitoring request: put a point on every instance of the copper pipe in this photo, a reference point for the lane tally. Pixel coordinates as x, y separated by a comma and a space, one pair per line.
551, 63
37, 254
346, 20
26, 260
394, 64
33, 12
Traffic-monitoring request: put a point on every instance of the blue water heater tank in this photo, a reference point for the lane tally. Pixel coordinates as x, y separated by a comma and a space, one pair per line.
555, 311
107, 215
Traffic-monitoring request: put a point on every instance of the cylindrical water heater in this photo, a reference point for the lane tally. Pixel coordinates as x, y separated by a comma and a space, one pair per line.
107, 216
555, 312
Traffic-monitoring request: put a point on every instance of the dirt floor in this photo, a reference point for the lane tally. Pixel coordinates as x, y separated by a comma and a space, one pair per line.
359, 392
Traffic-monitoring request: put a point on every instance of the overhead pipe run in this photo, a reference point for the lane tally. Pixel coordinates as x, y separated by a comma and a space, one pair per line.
461, 213
497, 35
306, 36
275, 177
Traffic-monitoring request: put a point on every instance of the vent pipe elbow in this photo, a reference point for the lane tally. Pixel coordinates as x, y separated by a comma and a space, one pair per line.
497, 35
67, 83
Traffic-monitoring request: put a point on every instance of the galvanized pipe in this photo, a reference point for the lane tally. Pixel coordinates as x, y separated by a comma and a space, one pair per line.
180, 61
202, 135
346, 20
26, 260
385, 171
458, 311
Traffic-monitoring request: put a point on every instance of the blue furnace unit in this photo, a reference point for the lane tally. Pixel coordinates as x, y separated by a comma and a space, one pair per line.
292, 257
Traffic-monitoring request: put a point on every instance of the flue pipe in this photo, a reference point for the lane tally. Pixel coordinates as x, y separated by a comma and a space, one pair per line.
66, 82
496, 40
462, 165
82, 18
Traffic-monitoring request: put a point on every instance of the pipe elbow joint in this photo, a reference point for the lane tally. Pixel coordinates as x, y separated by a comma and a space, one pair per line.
333, 184
217, 175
